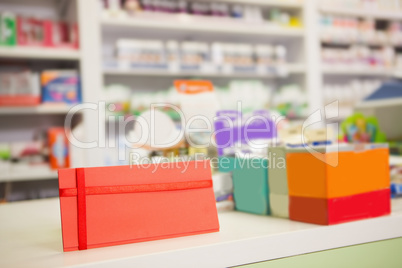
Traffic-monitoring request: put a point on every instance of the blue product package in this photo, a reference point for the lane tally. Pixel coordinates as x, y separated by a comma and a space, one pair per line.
61, 86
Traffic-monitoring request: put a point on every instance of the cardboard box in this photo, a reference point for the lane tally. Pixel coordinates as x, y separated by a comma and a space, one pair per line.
278, 182
251, 185
107, 206
325, 191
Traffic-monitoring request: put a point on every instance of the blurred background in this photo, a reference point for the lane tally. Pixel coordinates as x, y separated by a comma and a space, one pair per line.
291, 57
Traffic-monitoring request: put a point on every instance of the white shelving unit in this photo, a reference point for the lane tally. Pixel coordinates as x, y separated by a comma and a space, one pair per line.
39, 53
148, 25
359, 72
20, 123
343, 75
34, 110
290, 69
363, 13
28, 175
188, 23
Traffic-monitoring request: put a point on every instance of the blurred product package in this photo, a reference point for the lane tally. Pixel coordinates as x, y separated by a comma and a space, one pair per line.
19, 88
193, 56
29, 156
199, 11
58, 148
8, 35
61, 86
31, 31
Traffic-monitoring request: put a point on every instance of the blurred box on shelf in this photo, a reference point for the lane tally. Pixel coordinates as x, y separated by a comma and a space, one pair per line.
154, 202
250, 183
60, 34
31, 31
8, 29
61, 86
223, 190
58, 148
19, 88
232, 128
278, 182
5, 158
338, 184
200, 12
28, 156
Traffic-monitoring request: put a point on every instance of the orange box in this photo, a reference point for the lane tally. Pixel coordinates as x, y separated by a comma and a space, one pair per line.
58, 148
357, 171
107, 206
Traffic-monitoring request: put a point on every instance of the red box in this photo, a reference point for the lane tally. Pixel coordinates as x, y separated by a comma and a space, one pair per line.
30, 31
60, 34
341, 209
107, 206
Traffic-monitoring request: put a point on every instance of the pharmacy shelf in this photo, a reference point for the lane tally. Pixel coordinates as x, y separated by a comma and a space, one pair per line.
272, 3
243, 238
28, 175
41, 109
380, 103
39, 53
187, 23
291, 69
364, 13
347, 71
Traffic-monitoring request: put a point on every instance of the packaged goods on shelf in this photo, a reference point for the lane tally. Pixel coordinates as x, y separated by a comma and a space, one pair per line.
253, 95
349, 94
58, 148
234, 129
225, 12
358, 57
134, 53
351, 30
29, 31
291, 101
61, 86
382, 5
223, 190
189, 56
194, 56
8, 29
117, 99
5, 158
19, 88
360, 129
29, 156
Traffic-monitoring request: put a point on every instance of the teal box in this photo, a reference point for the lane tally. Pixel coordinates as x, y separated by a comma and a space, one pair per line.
250, 182
226, 163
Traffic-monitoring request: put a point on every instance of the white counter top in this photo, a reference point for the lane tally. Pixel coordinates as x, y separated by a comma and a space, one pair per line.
30, 236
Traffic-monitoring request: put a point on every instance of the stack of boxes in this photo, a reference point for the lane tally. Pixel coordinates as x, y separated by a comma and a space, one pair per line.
329, 185
335, 185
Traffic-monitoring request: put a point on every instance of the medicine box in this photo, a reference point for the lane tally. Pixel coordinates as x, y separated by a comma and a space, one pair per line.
338, 184
251, 185
61, 86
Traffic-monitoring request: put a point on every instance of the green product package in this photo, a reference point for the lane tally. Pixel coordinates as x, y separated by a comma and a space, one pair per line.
8, 31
